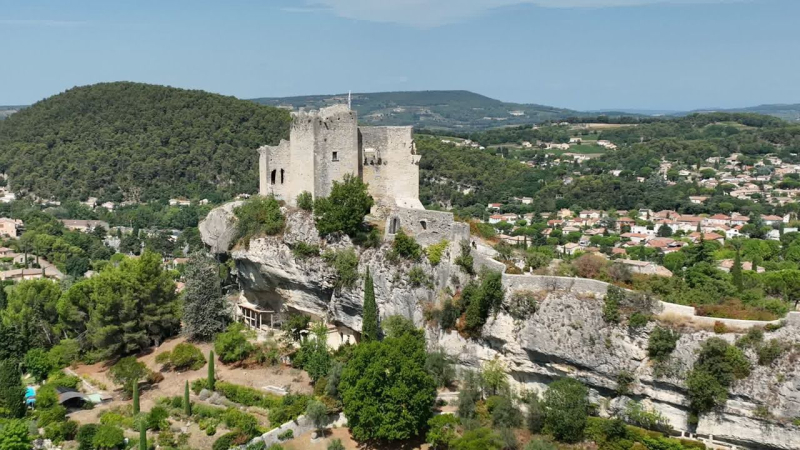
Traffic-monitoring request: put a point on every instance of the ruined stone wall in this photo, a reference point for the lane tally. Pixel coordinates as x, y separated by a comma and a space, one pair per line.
391, 166
427, 227
302, 137
274, 167
336, 151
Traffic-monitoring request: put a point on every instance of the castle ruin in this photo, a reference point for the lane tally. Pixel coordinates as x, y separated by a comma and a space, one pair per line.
328, 144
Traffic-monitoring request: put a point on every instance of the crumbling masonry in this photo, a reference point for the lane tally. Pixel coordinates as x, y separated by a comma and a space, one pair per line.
328, 144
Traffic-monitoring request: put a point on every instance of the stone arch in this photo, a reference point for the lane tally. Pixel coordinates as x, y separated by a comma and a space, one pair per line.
272, 176
394, 225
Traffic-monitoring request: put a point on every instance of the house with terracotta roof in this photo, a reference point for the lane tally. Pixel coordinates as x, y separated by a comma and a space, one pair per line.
495, 218
695, 237
645, 267
635, 238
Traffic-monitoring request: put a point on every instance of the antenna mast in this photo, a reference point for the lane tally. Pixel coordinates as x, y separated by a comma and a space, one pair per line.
349, 99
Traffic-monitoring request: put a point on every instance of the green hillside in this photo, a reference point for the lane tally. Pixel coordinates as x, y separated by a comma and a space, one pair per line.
447, 110
790, 113
131, 141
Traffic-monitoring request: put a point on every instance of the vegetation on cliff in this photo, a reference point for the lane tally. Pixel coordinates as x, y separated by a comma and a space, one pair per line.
131, 141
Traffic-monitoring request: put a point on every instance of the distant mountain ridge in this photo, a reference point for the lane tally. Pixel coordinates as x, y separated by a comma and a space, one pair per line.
452, 110
788, 112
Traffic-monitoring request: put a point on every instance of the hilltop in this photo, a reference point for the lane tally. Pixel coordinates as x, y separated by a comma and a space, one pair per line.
131, 141
788, 112
447, 110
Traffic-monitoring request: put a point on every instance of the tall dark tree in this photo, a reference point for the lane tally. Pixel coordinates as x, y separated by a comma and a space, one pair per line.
12, 393
736, 271
205, 311
369, 326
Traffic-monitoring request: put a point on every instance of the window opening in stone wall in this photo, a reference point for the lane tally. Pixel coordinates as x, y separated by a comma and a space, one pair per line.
394, 225
335, 156
281, 176
423, 224
272, 177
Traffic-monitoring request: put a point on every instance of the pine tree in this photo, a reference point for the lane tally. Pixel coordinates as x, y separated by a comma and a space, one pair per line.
187, 406
205, 310
12, 393
369, 326
736, 271
211, 379
142, 436
136, 397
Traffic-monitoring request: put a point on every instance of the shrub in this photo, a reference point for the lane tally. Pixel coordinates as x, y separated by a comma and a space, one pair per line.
624, 381
538, 444
286, 435
108, 437
60, 379
126, 372
157, 418
752, 339
85, 436
335, 444
61, 431
716, 367
720, 327
301, 250
535, 417
406, 246
662, 343
465, 259
638, 320
240, 421
442, 431
186, 356
247, 396
770, 351
638, 415
228, 440
295, 325
611, 304
38, 363
163, 358
449, 314
65, 352
503, 412
345, 263
344, 209
440, 367
589, 266
258, 216
198, 385
418, 277
436, 251
305, 201
233, 345
566, 408
479, 438
289, 408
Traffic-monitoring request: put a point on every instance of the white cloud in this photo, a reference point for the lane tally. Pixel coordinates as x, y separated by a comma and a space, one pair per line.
430, 13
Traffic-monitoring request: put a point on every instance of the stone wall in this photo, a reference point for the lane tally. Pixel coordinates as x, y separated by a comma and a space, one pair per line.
275, 170
427, 227
391, 166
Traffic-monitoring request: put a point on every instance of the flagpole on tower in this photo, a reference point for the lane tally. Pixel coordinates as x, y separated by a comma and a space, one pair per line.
349, 99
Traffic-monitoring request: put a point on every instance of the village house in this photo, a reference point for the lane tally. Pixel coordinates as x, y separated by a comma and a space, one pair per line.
10, 227
84, 226
645, 268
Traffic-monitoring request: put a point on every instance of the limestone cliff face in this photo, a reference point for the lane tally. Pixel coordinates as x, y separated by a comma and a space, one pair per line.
564, 336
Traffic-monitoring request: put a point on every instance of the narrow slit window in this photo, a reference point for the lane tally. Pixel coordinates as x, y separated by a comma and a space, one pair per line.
335, 156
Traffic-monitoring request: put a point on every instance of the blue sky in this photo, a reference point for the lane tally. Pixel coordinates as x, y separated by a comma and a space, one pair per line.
582, 54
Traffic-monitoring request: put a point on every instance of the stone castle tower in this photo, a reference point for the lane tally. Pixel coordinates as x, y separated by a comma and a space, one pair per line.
326, 145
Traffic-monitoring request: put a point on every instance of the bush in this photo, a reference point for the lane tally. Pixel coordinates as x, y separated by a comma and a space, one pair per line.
611, 304
538, 444
247, 396
479, 438
61, 431
85, 436
770, 351
449, 314
240, 421
465, 259
258, 216
289, 408
715, 369
186, 356
233, 345
638, 320
54, 414
440, 367
345, 263
624, 381
503, 412
720, 328
436, 251
286, 435
126, 372
442, 431
301, 250
38, 363
344, 209
228, 440
417, 277
335, 444
65, 352
406, 246
662, 343
108, 437
535, 417
295, 326
305, 201
60, 379
566, 408
157, 418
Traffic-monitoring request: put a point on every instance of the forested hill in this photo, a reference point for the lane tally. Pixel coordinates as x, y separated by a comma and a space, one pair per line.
131, 141
447, 110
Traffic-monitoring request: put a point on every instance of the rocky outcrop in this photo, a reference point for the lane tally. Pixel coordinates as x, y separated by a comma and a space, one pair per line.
563, 335
217, 229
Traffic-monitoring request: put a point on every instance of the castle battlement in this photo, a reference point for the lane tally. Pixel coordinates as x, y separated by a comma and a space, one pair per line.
327, 144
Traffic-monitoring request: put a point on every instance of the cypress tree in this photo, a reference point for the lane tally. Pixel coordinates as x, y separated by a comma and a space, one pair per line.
142, 435
12, 393
369, 326
187, 406
736, 271
136, 397
211, 379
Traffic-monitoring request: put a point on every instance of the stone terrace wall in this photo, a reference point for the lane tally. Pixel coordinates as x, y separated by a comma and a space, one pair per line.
670, 311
